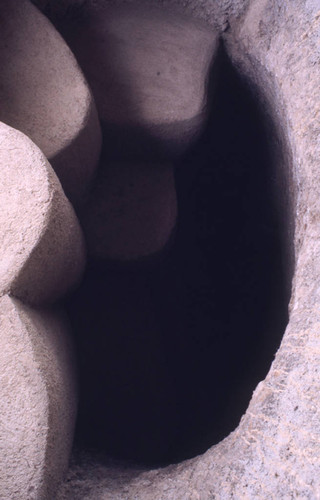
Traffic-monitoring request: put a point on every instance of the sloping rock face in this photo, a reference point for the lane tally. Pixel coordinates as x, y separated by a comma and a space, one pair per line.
44, 95
38, 399
274, 452
41, 242
43, 257
154, 65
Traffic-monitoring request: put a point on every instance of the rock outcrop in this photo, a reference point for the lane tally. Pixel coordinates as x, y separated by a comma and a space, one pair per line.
274, 452
43, 257
44, 95
42, 246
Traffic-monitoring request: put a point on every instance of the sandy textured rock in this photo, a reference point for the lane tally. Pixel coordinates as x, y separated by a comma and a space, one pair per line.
43, 94
274, 452
42, 248
148, 72
37, 400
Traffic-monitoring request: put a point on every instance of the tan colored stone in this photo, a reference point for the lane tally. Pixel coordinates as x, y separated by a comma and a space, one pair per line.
148, 69
215, 13
148, 73
37, 400
41, 243
274, 452
43, 94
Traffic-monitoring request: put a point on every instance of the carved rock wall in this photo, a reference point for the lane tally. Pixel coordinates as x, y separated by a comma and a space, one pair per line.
42, 246
274, 452
44, 95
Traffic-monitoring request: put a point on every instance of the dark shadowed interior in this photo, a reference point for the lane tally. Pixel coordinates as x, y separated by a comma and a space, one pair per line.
171, 348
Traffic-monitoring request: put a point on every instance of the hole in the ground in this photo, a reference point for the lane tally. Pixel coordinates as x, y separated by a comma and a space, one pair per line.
171, 349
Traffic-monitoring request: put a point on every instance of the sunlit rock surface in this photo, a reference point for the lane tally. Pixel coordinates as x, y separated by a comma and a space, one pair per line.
44, 95
37, 399
41, 242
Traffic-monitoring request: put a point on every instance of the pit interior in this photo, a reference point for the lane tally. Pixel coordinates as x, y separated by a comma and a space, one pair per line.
170, 348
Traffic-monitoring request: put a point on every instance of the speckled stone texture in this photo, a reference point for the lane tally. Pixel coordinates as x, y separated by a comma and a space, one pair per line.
42, 257
41, 243
38, 397
274, 452
215, 13
44, 95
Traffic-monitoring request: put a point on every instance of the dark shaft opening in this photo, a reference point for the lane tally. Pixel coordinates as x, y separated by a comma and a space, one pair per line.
170, 349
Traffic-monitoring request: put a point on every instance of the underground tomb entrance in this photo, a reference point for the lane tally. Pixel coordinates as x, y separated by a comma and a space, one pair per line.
171, 348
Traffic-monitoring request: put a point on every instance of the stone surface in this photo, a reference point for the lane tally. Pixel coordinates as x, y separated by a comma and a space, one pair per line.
43, 94
131, 212
37, 400
42, 257
216, 14
147, 70
148, 73
42, 248
274, 452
